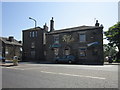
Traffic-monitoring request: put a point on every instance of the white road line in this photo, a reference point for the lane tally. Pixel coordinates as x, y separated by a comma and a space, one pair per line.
75, 75
19, 68
14, 68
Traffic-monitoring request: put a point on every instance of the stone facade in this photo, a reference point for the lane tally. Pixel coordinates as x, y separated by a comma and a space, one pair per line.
33, 44
83, 42
10, 47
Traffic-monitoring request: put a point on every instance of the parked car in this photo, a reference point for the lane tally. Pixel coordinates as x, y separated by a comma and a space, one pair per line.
65, 59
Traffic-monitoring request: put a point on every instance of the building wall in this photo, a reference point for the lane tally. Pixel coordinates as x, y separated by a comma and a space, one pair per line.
11, 51
93, 54
33, 45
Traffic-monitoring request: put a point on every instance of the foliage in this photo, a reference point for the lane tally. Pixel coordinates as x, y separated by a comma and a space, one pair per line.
109, 51
113, 36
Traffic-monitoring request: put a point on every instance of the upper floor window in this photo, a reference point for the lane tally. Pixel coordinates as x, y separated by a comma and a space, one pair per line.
82, 37
36, 33
44, 38
33, 34
56, 39
30, 34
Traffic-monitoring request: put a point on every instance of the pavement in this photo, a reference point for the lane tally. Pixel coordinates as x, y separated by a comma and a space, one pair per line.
114, 63
10, 63
6, 64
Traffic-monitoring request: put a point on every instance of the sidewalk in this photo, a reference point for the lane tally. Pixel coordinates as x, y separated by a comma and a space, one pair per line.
6, 64
11, 64
107, 63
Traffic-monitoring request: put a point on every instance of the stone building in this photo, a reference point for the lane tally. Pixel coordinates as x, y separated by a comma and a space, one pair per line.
10, 47
83, 42
33, 43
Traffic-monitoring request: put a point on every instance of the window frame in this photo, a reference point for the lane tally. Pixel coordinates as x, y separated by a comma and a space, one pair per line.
32, 44
36, 33
30, 34
33, 34
32, 53
54, 39
82, 33
83, 50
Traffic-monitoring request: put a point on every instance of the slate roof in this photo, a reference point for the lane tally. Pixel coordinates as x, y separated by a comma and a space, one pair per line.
73, 29
31, 29
14, 42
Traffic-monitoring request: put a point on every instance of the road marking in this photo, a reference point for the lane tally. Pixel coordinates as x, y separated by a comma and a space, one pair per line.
66, 74
75, 75
14, 68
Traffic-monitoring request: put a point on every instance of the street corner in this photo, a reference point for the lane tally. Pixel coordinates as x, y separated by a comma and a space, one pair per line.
107, 63
7, 65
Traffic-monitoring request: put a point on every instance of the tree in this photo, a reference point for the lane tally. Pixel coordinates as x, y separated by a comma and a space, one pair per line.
109, 51
113, 36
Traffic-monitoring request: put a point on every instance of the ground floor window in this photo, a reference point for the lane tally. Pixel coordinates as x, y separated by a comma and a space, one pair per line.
95, 51
44, 53
6, 51
56, 51
82, 52
32, 54
67, 51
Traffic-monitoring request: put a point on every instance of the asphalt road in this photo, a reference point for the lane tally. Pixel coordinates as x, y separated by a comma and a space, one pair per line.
59, 76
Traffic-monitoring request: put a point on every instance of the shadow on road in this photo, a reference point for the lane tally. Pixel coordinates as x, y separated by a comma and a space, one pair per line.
106, 63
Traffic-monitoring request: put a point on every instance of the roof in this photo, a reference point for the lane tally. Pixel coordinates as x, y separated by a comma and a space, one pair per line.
37, 28
79, 28
14, 42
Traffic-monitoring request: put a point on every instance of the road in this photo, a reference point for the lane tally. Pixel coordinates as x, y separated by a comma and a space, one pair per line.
28, 75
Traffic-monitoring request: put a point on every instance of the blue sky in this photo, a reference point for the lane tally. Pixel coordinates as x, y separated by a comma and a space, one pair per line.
15, 15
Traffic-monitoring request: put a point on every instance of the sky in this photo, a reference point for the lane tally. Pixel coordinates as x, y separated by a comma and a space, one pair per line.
15, 15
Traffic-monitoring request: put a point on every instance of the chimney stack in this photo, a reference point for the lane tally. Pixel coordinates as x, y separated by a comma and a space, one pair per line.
11, 38
96, 24
45, 27
51, 25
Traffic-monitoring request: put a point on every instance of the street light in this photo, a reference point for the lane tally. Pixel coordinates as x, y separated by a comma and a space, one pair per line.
34, 20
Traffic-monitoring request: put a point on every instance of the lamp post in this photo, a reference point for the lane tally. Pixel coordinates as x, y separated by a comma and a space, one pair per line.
33, 20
